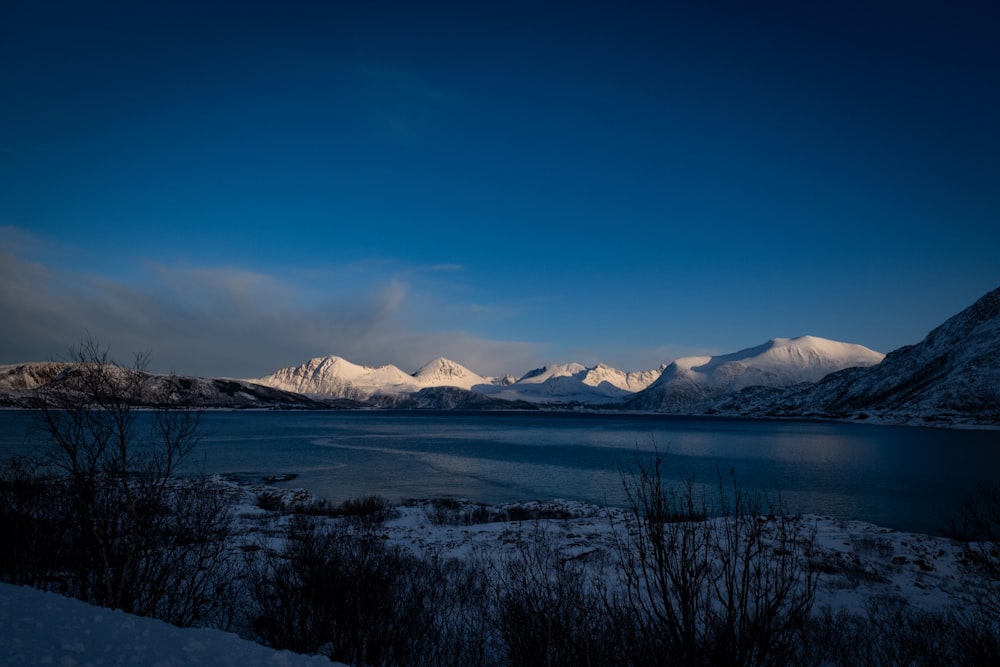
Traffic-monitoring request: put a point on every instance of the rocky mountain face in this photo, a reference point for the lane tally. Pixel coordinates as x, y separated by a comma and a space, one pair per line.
692, 384
22, 385
952, 376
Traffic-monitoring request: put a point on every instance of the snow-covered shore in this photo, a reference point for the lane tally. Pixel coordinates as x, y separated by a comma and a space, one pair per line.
858, 563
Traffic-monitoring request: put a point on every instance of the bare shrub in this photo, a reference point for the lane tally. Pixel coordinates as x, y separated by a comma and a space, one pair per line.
133, 537
369, 509
889, 633
550, 609
733, 590
342, 593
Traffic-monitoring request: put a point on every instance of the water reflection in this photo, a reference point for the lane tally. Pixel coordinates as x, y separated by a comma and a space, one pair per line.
900, 477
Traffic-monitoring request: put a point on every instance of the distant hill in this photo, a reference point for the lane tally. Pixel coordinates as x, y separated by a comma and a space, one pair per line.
692, 383
952, 376
20, 384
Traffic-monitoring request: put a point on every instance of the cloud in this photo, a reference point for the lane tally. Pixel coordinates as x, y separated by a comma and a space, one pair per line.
234, 322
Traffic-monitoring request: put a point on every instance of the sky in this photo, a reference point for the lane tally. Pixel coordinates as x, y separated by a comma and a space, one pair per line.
236, 187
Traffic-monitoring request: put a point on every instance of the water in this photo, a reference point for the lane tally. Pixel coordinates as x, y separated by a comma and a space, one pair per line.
905, 478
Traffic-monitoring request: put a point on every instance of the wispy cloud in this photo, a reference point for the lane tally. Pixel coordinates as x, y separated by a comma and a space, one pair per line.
235, 322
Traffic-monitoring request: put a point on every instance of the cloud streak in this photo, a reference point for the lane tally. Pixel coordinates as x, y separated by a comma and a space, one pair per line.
229, 321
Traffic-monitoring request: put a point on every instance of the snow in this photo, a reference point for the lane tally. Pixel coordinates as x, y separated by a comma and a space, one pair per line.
335, 376
780, 362
951, 378
443, 372
40, 628
858, 562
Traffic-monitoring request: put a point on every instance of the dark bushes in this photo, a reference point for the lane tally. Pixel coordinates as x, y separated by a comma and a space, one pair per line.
344, 594
734, 590
102, 514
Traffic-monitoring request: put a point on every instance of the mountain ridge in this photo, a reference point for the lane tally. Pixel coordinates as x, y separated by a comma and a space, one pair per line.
951, 377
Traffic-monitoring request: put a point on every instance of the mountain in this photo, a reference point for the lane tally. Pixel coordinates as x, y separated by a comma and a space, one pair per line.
452, 398
337, 377
690, 384
446, 373
951, 376
572, 383
552, 384
21, 384
20, 378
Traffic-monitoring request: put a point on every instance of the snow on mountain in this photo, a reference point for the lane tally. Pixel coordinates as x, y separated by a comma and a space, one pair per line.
29, 376
953, 375
446, 373
779, 362
631, 382
21, 384
337, 377
555, 383
685, 382
549, 372
572, 383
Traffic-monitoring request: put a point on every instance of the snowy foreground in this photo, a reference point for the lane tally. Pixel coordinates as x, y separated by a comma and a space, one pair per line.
860, 562
39, 628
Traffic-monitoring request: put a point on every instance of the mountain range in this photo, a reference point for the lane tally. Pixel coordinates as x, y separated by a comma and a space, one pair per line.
951, 377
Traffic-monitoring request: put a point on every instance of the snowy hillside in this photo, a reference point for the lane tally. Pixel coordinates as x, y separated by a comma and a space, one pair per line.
953, 375
28, 377
337, 377
691, 381
21, 384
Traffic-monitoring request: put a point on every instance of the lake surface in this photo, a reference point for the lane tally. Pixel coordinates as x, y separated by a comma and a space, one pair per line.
904, 478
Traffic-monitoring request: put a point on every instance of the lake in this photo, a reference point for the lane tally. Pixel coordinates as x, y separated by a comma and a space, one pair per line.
900, 477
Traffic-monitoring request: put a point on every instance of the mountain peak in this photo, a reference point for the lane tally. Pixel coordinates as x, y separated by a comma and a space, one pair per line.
443, 372
779, 362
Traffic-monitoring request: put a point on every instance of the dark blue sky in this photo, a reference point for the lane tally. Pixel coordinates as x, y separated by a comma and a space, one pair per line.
241, 186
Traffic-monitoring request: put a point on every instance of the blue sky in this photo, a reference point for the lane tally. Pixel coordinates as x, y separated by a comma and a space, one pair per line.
236, 187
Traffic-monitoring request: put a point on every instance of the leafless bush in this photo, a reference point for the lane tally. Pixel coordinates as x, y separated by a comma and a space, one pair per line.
345, 594
370, 510
733, 590
131, 536
551, 609
978, 526
889, 633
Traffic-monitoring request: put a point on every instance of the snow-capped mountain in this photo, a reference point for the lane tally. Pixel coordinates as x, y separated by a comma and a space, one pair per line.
953, 375
446, 373
691, 381
572, 383
335, 376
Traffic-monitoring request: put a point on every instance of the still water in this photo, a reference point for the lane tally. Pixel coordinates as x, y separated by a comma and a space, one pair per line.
904, 478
